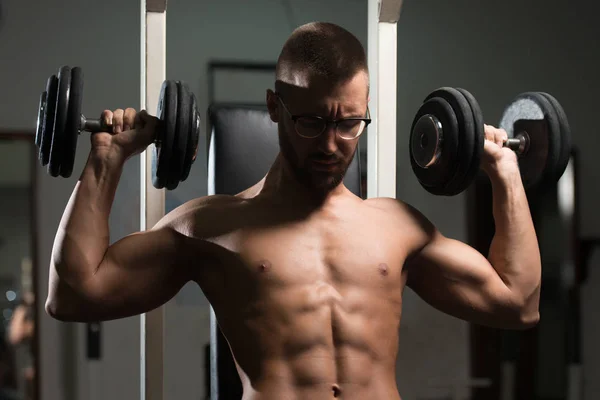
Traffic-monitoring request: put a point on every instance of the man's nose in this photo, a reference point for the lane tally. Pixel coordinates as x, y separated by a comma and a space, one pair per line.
328, 140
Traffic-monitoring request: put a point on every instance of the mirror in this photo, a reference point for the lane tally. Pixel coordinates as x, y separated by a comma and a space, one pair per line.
17, 284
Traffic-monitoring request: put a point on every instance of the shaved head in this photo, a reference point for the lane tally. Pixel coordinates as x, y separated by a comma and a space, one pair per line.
321, 77
322, 52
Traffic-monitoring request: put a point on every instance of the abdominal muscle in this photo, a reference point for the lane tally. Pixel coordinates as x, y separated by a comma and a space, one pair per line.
315, 341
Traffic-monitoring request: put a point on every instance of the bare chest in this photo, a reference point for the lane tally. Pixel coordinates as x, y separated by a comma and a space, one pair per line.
331, 258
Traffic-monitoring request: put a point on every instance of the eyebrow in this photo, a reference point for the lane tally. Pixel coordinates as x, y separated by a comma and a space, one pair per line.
351, 115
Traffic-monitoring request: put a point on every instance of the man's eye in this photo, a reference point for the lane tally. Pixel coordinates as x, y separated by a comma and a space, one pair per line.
310, 122
349, 124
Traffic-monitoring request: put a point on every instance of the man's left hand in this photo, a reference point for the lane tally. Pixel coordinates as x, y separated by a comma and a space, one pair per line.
497, 158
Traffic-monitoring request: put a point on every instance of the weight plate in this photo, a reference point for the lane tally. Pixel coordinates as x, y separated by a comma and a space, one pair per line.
194, 136
60, 121
167, 113
181, 136
533, 113
479, 139
73, 122
48, 120
565, 136
40, 119
466, 137
434, 115
426, 140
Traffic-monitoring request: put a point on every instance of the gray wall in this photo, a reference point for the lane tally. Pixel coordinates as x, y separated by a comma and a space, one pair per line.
494, 49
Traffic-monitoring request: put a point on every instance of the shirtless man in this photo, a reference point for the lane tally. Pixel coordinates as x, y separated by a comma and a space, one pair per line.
306, 279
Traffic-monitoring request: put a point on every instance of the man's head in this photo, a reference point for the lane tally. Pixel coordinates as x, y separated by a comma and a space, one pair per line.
322, 76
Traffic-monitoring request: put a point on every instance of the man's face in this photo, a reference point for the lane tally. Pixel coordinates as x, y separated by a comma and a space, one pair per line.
319, 163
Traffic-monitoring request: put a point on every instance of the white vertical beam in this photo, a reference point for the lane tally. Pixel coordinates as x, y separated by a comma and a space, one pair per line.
386, 110
152, 204
383, 17
373, 58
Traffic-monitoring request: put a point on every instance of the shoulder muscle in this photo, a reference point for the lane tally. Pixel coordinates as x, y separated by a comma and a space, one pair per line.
201, 217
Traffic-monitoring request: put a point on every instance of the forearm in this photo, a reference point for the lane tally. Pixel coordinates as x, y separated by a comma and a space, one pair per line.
514, 251
83, 235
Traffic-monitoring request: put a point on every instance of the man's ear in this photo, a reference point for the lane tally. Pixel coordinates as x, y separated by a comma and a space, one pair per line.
272, 105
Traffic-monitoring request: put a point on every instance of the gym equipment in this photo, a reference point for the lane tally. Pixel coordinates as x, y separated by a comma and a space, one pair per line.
548, 142
382, 54
60, 122
447, 138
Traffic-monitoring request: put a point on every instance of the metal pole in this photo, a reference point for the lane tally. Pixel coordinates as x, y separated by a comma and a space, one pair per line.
383, 16
152, 204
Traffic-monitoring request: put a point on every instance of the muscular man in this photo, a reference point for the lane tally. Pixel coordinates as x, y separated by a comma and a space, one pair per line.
306, 279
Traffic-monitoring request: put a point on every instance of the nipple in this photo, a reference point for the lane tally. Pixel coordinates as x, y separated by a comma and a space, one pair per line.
383, 269
264, 266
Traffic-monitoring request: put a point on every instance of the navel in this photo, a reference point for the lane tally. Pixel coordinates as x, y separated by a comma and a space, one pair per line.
336, 390
264, 266
383, 269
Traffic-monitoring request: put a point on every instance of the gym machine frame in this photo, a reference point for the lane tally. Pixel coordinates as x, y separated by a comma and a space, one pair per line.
239, 66
383, 16
152, 205
215, 66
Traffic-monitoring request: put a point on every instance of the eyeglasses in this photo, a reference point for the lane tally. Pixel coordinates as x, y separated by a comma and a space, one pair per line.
311, 126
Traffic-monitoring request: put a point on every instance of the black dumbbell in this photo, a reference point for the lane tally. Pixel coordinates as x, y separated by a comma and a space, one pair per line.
60, 122
447, 138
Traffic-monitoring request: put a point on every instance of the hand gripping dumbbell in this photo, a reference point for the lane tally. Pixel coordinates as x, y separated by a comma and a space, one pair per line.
447, 138
60, 123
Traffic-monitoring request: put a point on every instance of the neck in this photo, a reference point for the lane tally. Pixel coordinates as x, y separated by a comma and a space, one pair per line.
281, 183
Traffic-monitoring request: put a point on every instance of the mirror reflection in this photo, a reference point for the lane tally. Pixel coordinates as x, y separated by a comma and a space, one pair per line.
17, 295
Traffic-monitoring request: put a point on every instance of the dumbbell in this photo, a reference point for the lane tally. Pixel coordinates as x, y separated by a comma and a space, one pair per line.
60, 123
447, 138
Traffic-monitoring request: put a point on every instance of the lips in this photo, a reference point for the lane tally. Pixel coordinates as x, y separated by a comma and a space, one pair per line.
325, 165
325, 162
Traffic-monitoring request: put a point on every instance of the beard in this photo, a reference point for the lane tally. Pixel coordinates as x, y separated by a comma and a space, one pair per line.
317, 181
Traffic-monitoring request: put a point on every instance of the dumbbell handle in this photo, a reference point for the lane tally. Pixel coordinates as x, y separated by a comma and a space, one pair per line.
96, 125
519, 144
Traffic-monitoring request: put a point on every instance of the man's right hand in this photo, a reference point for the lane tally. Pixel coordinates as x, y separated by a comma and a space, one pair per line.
132, 133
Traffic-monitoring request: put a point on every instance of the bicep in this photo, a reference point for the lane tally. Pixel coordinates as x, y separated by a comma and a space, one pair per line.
458, 280
137, 274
